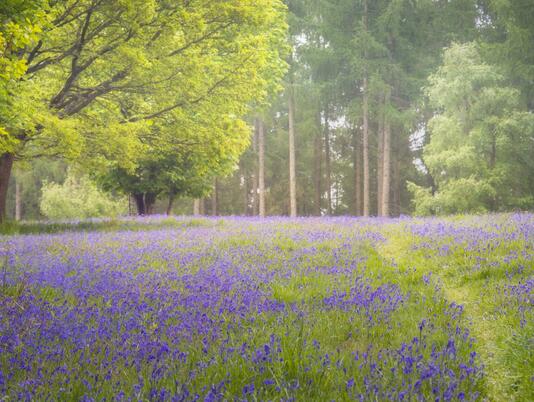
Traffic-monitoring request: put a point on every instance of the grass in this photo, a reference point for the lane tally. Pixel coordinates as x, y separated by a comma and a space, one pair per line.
310, 309
506, 348
101, 225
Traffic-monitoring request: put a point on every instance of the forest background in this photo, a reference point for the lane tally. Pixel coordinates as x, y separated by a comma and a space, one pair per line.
265, 107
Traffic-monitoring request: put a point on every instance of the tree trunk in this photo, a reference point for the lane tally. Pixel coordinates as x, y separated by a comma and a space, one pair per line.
214, 200
328, 165
396, 207
140, 203
365, 125
169, 205
492, 162
261, 168
202, 206
380, 162
317, 171
6, 165
292, 173
386, 176
255, 174
150, 200
18, 200
357, 172
196, 207
245, 194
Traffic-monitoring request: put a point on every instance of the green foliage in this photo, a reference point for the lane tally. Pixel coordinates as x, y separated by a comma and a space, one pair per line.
154, 96
78, 198
508, 40
114, 85
20, 27
480, 140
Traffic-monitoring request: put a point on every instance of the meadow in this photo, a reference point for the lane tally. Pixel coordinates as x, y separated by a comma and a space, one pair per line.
186, 309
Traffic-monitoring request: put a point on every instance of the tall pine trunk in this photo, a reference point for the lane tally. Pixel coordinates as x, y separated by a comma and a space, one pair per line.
380, 160
396, 183
196, 207
386, 174
317, 173
357, 171
366, 187
328, 165
261, 168
245, 194
292, 173
18, 200
255, 173
214, 200
6, 166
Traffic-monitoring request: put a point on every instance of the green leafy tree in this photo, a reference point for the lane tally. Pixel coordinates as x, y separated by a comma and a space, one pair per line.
507, 40
105, 76
20, 26
481, 140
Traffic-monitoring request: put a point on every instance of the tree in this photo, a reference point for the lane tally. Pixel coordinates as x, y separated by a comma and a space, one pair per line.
104, 73
481, 141
21, 24
507, 40
189, 169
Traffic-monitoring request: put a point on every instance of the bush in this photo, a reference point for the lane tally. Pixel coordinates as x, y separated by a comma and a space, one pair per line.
79, 198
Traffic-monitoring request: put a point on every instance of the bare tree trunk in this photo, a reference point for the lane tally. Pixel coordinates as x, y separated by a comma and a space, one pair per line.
365, 150
317, 172
169, 205
245, 194
365, 125
255, 174
380, 161
261, 168
328, 165
493, 160
6, 165
140, 203
202, 206
292, 173
386, 177
150, 200
357, 171
18, 200
214, 198
196, 207
396, 207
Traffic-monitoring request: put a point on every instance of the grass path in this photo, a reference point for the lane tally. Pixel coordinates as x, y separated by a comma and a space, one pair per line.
507, 354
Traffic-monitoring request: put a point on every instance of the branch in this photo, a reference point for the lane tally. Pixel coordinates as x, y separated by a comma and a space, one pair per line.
74, 71
201, 38
195, 101
180, 104
78, 102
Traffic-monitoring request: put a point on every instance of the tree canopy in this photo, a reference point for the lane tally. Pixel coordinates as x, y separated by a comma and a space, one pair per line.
111, 83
